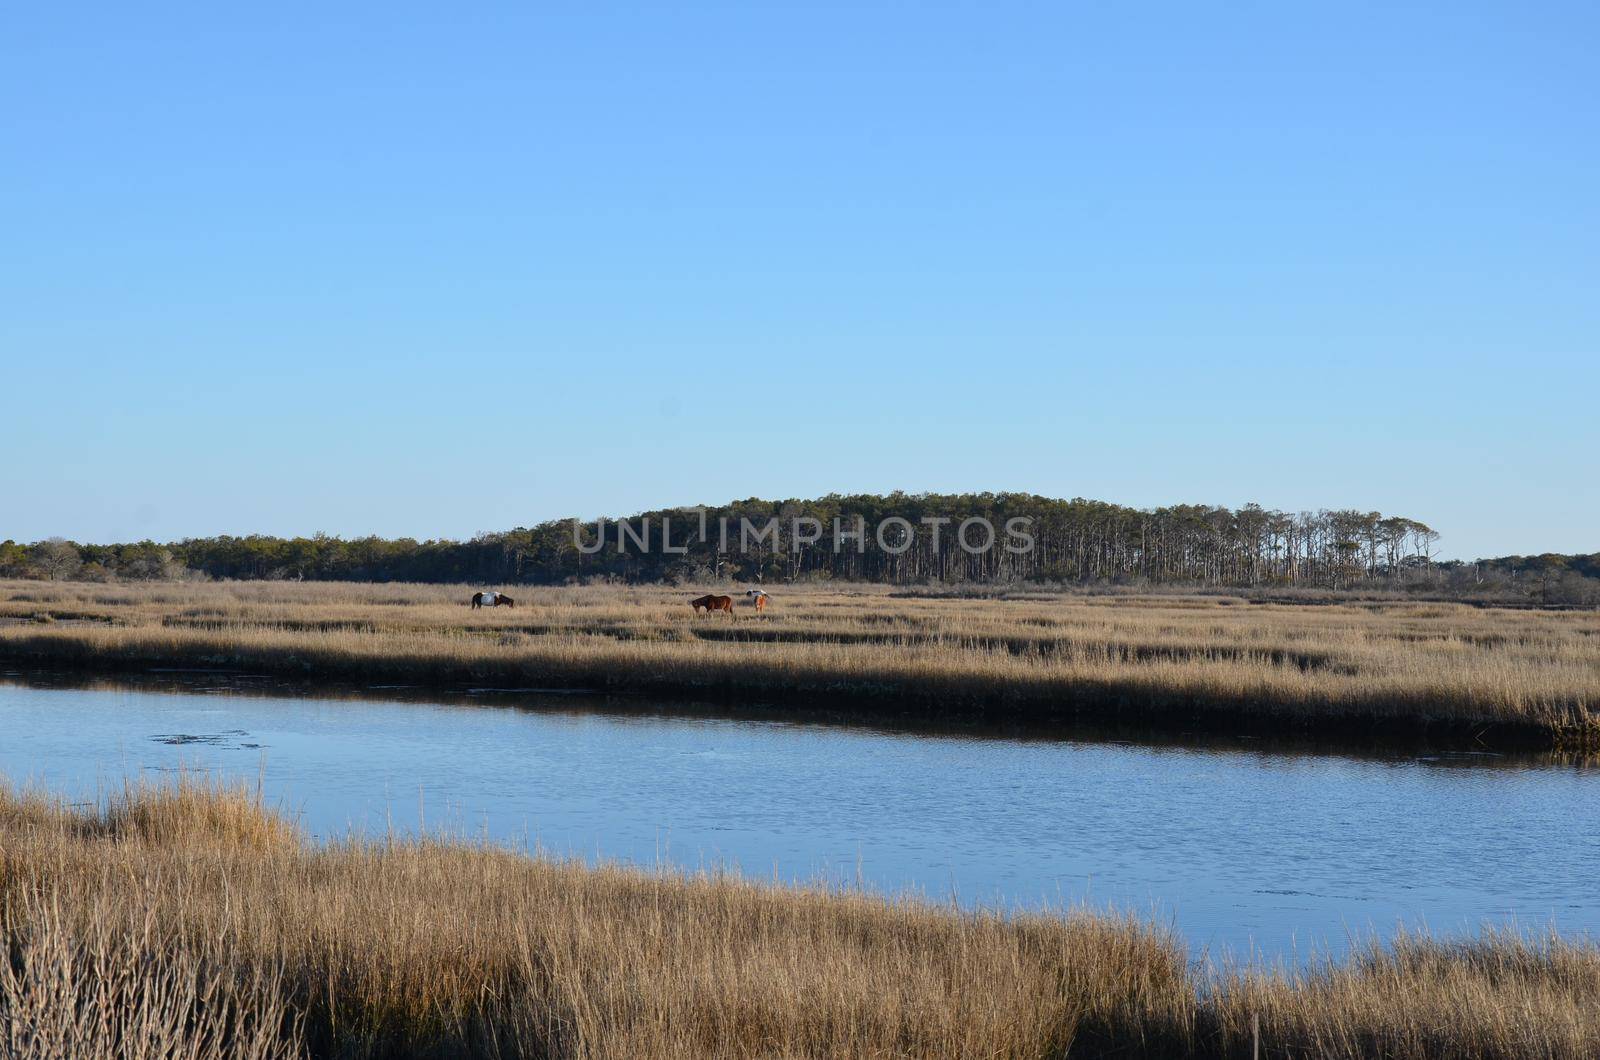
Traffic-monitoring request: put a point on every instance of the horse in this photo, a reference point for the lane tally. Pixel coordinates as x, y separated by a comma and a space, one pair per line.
713, 603
492, 600
758, 597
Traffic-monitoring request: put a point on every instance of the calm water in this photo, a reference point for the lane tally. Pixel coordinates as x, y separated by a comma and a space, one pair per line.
1238, 847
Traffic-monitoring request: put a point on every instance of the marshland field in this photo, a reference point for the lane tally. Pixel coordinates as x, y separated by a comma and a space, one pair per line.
188, 920
1351, 670
188, 917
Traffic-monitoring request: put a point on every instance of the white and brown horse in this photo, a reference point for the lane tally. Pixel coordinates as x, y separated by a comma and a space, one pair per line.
759, 598
492, 600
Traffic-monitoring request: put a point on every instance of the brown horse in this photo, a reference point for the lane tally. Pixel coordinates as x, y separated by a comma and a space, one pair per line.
713, 603
492, 600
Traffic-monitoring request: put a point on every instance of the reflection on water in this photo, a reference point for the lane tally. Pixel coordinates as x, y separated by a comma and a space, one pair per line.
1239, 846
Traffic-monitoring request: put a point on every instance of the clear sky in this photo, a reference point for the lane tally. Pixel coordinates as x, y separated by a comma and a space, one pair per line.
431, 270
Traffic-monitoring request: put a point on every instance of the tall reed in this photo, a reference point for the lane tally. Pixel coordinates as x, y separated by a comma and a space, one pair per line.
188, 920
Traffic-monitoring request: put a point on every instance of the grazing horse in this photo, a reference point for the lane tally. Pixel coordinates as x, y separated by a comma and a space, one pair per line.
492, 600
759, 598
713, 603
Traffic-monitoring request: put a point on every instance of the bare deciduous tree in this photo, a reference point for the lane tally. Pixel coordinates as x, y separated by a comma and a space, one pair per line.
56, 558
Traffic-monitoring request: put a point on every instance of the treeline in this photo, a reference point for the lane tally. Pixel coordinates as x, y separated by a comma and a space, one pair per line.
896, 538
913, 539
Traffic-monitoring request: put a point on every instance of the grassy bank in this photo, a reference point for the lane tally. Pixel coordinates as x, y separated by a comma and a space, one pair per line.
1345, 671
189, 919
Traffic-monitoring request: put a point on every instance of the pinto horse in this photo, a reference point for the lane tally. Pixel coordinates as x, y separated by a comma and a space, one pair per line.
713, 603
759, 598
492, 600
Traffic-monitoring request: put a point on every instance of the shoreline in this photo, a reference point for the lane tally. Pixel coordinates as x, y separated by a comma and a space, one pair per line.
238, 682
1396, 675
1122, 712
436, 945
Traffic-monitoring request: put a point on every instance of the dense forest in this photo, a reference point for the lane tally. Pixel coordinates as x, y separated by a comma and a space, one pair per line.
898, 538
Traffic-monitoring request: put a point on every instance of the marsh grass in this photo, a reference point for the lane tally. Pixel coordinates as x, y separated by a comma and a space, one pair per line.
89, 982
1478, 674
135, 932
1501, 994
1482, 674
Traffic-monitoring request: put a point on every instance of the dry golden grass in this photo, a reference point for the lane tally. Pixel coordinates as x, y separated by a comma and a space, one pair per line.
1361, 667
88, 982
429, 948
1501, 994
191, 922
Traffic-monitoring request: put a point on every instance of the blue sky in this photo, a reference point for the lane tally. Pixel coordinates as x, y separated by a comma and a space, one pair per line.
430, 271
